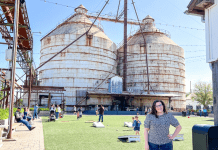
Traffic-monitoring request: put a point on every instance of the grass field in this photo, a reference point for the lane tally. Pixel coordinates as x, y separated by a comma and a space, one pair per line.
68, 133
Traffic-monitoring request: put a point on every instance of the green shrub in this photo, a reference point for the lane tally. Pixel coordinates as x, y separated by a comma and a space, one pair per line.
4, 113
40, 109
44, 109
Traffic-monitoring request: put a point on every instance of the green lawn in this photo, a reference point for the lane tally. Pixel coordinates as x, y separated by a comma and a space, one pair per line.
78, 135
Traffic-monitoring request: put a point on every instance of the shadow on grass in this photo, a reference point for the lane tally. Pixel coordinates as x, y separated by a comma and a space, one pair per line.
124, 140
209, 120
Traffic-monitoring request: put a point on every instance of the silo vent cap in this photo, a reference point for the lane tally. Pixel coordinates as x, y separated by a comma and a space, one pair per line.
81, 9
148, 19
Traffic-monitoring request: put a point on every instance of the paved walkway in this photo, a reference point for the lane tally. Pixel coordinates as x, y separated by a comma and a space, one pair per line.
25, 139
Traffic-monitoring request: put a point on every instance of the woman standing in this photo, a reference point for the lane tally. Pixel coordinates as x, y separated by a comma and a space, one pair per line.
58, 110
158, 123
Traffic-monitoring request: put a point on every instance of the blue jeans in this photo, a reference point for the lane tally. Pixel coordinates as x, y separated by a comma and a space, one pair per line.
26, 123
56, 114
205, 114
35, 113
167, 146
100, 117
28, 118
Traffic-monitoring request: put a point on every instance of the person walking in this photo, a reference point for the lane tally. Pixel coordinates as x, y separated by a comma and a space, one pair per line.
205, 112
96, 110
18, 118
137, 110
149, 109
80, 112
200, 112
101, 113
74, 109
146, 111
35, 114
187, 112
157, 125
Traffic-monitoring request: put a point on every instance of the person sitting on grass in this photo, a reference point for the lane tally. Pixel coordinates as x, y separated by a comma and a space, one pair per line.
136, 125
18, 118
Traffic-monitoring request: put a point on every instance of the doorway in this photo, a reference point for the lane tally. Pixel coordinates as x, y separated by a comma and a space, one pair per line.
120, 103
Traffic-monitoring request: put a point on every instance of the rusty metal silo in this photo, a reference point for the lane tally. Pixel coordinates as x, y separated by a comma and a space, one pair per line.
166, 63
84, 64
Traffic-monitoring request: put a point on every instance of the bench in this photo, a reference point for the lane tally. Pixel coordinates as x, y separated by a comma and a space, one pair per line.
178, 137
132, 109
128, 124
130, 138
14, 126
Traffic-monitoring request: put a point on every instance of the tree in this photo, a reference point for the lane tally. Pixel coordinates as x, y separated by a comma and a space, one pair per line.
203, 93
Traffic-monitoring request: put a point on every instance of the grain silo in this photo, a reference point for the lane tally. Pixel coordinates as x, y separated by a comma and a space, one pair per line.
166, 64
83, 65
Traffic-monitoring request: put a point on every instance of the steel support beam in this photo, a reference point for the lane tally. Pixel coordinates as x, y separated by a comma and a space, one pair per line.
14, 56
30, 85
125, 48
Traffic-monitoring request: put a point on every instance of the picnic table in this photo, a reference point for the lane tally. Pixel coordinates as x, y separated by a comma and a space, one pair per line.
130, 138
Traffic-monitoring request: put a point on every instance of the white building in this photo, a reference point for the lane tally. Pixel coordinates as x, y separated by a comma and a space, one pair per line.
208, 10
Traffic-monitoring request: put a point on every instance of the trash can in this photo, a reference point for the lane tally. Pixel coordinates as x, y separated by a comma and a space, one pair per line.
183, 113
205, 137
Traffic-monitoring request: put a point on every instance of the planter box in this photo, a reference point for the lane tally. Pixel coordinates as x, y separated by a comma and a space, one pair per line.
5, 121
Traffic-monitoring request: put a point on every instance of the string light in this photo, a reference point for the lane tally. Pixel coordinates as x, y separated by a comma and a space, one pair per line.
111, 15
192, 45
196, 51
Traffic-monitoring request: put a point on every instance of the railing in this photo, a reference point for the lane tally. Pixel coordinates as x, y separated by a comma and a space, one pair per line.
131, 35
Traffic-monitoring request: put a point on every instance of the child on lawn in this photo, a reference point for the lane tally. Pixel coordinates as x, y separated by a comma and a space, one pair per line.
136, 125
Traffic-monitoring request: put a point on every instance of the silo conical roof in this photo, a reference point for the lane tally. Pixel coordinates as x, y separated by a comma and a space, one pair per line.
153, 35
78, 23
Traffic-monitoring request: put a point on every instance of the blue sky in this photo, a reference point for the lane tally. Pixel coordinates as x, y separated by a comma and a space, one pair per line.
168, 15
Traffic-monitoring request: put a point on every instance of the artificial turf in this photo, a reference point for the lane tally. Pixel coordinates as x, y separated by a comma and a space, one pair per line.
68, 133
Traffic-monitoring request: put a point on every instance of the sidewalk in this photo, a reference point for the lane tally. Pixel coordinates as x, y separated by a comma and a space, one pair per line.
25, 139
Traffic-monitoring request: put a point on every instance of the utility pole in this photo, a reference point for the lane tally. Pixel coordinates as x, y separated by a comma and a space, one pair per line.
215, 91
125, 48
14, 56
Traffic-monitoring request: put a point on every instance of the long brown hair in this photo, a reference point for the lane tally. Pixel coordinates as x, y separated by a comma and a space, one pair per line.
153, 108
